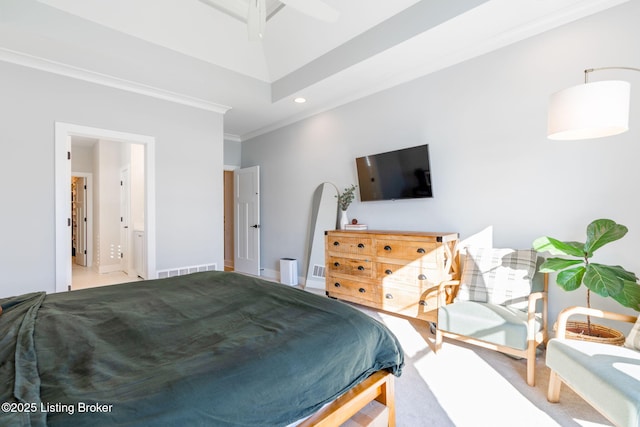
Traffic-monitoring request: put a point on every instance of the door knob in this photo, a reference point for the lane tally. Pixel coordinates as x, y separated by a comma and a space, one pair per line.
255, 226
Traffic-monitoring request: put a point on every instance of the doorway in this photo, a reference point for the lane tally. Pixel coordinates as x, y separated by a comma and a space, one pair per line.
81, 219
119, 212
64, 133
228, 220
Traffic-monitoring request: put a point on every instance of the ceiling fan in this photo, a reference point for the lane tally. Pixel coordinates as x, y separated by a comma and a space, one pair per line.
256, 12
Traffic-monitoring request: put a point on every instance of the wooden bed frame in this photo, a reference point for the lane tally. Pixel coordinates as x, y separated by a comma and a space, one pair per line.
378, 387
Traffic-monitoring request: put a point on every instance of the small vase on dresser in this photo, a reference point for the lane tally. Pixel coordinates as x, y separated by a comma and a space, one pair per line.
344, 200
344, 219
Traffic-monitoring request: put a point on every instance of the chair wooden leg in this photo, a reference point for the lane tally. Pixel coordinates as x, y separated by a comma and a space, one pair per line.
531, 364
438, 344
555, 383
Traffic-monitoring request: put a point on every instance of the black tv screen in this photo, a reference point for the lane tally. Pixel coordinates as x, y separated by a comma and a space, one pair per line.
399, 174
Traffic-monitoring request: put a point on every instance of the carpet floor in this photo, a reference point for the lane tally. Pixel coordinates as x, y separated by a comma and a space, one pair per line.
464, 385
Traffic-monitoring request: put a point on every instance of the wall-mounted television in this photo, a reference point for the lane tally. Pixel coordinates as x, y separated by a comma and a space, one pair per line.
394, 175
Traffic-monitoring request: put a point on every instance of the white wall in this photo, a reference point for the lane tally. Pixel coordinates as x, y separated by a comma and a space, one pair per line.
137, 186
82, 158
189, 163
492, 165
232, 152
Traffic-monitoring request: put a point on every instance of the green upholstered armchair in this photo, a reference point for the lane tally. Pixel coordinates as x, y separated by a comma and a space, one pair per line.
607, 376
500, 303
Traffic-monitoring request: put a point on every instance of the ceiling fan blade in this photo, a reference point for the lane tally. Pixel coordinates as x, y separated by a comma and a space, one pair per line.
314, 8
232, 8
256, 19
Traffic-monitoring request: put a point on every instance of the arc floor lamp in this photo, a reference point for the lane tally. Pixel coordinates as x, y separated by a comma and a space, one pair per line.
590, 110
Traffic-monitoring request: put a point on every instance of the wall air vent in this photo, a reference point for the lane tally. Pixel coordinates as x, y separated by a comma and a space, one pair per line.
181, 271
318, 271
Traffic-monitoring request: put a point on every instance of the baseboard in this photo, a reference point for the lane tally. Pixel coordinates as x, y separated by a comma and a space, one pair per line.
103, 269
274, 275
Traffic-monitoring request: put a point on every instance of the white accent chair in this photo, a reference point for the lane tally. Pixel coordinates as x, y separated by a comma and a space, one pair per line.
607, 376
513, 327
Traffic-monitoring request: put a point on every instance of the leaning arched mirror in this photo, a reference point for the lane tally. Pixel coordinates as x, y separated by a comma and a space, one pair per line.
324, 215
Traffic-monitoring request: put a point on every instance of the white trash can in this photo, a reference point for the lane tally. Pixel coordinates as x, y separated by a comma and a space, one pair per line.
289, 271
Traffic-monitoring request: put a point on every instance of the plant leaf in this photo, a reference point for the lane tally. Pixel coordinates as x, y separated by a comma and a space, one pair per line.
555, 264
603, 231
630, 295
603, 280
571, 279
556, 247
623, 274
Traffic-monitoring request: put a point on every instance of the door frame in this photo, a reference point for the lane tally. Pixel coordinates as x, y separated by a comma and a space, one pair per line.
88, 213
125, 216
62, 178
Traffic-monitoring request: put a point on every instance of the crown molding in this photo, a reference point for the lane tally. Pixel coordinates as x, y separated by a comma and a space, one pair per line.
43, 64
232, 137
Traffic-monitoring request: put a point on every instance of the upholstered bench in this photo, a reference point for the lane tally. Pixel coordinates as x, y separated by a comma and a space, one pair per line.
607, 376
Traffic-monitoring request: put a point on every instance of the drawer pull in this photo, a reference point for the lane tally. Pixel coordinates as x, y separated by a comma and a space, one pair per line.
387, 248
388, 272
422, 277
362, 290
361, 268
423, 303
336, 243
361, 245
336, 264
420, 251
337, 285
389, 296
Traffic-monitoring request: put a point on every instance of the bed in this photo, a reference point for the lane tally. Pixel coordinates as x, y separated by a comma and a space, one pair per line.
211, 349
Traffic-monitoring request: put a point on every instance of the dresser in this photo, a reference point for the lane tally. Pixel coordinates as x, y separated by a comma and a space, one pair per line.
395, 271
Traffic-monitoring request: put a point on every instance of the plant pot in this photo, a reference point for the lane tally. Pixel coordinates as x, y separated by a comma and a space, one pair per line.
599, 333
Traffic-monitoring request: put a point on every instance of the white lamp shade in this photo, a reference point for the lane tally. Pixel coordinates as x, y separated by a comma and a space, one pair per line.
590, 110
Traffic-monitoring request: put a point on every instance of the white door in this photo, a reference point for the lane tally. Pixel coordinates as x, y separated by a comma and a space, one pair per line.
125, 213
81, 221
247, 220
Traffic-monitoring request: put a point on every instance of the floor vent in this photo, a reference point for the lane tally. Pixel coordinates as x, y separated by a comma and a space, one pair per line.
318, 271
181, 271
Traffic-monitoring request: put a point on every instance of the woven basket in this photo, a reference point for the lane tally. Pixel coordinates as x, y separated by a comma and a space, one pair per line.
601, 333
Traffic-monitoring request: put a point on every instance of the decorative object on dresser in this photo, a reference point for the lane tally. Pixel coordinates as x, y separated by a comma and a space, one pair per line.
395, 271
355, 225
344, 200
500, 304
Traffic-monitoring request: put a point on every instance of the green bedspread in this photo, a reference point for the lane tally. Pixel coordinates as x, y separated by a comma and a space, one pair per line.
213, 349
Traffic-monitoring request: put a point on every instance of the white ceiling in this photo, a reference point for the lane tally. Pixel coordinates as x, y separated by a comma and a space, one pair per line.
185, 49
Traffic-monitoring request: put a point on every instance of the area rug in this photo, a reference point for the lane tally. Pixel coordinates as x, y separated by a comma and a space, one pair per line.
464, 385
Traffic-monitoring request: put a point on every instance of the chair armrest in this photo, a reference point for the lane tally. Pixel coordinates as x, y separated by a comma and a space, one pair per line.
533, 300
531, 313
446, 288
570, 311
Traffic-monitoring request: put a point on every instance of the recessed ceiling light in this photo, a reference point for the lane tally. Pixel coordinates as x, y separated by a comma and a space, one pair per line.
300, 100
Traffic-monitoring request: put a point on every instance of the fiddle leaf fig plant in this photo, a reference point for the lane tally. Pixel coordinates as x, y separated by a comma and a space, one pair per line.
605, 280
